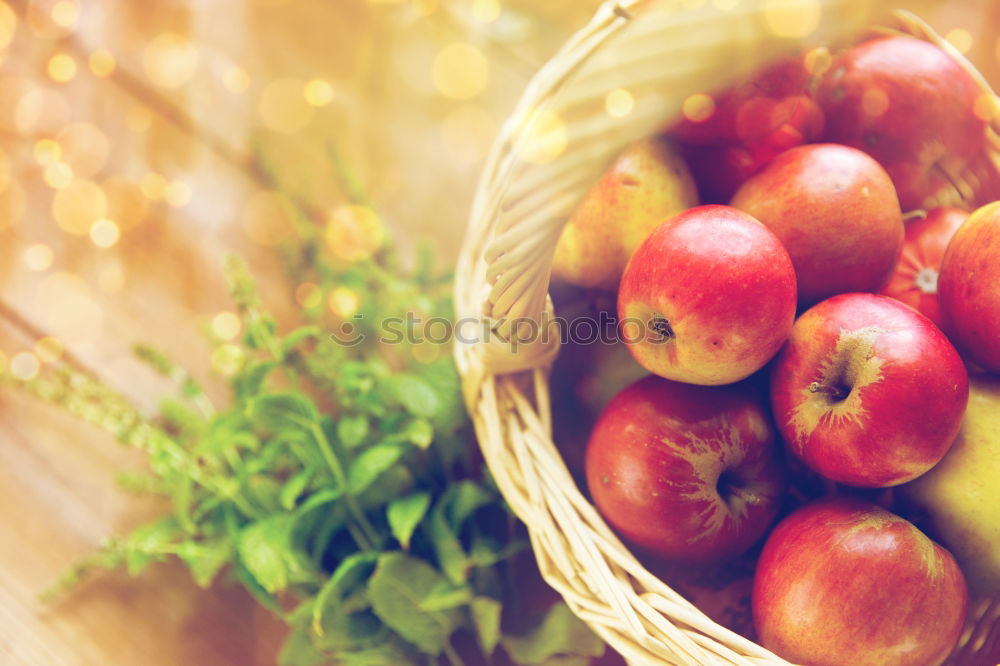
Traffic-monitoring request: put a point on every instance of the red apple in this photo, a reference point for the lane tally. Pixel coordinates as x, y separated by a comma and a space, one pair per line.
689, 472
868, 391
915, 279
708, 298
769, 106
909, 105
835, 210
845, 582
969, 287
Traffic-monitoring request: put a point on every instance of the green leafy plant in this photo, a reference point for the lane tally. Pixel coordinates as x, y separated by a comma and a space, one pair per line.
340, 485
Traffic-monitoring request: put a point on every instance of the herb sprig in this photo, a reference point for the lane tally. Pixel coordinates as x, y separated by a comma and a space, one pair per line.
340, 485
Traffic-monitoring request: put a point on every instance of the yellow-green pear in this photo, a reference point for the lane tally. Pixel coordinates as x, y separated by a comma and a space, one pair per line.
647, 184
961, 494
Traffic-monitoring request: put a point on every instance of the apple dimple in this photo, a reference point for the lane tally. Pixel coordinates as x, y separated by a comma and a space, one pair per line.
836, 393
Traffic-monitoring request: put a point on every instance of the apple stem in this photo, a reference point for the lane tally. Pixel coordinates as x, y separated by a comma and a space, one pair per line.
834, 392
917, 214
661, 325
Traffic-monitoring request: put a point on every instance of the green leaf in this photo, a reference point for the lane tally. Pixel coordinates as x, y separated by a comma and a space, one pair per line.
299, 650
151, 543
297, 337
349, 573
250, 380
319, 498
416, 431
352, 430
415, 395
393, 651
404, 514
294, 487
368, 466
397, 588
451, 555
281, 411
205, 558
560, 634
446, 596
486, 613
265, 548
465, 498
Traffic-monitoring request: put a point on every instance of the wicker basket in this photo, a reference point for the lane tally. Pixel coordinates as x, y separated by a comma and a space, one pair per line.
555, 145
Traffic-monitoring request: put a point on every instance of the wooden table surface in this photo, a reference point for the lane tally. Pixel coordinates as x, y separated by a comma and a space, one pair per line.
199, 90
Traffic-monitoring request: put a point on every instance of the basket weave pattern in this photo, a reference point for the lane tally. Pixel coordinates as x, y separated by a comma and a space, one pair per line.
661, 53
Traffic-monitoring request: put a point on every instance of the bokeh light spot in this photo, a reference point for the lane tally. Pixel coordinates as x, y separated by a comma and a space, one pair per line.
985, 107
698, 107
227, 359
24, 366
793, 19
62, 67
58, 175
544, 137
460, 71
236, 80
65, 13
619, 103
344, 302
961, 39
486, 11
85, 148
226, 325
308, 295
41, 111
170, 60
8, 24
354, 233
38, 257
874, 102
318, 92
47, 151
283, 108
153, 185
104, 233
102, 64
78, 206
177, 193
818, 60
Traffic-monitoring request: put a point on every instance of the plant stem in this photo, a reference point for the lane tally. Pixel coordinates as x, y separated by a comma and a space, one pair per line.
370, 536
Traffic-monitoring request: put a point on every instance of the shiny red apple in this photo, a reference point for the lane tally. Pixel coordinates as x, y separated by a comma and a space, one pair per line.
969, 287
836, 212
708, 298
909, 105
868, 391
688, 472
842, 582
915, 280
